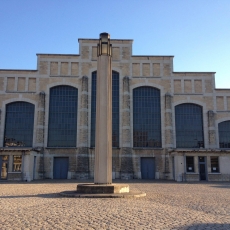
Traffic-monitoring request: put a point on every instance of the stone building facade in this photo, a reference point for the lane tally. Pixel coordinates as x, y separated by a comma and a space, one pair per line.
160, 148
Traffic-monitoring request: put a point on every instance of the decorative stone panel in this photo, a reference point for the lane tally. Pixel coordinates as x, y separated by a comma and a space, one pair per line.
167, 69
136, 69
85, 68
177, 86
43, 67
220, 103
21, 84
85, 52
146, 69
125, 69
115, 53
198, 86
10, 83
64, 68
156, 70
187, 86
54, 68
94, 53
126, 53
74, 68
32, 85
208, 86
1, 83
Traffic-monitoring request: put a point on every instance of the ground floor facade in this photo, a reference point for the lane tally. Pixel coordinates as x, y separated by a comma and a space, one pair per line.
127, 163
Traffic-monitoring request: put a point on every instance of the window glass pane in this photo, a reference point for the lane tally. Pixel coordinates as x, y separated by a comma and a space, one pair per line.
190, 164
146, 117
19, 124
115, 109
189, 126
17, 163
224, 134
62, 131
214, 164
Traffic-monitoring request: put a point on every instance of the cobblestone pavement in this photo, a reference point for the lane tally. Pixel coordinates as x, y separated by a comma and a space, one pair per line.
168, 205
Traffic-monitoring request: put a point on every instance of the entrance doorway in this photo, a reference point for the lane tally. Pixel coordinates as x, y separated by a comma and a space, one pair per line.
202, 168
148, 167
4, 167
61, 166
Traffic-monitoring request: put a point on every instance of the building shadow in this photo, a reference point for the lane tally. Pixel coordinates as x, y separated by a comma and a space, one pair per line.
205, 226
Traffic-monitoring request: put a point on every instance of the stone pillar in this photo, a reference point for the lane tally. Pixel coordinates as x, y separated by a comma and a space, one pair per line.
168, 121
127, 171
168, 133
103, 144
211, 129
40, 132
82, 158
40, 120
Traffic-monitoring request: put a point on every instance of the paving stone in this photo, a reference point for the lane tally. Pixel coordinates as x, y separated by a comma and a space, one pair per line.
168, 205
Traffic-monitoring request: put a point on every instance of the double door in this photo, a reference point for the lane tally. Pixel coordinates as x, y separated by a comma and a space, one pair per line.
148, 167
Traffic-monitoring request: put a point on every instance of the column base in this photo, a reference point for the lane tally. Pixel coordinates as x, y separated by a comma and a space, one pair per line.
102, 191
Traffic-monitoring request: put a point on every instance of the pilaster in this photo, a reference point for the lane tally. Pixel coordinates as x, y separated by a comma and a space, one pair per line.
127, 169
168, 121
211, 129
82, 158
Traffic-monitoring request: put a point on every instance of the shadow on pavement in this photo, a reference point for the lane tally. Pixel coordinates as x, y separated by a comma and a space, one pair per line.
206, 226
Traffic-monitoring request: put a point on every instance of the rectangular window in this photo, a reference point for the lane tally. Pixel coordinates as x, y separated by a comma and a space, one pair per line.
190, 164
214, 164
17, 164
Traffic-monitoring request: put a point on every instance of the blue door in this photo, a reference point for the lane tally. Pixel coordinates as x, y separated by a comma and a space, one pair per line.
61, 166
148, 167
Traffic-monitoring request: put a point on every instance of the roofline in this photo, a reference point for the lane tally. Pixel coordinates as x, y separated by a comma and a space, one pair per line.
93, 39
222, 88
33, 70
58, 54
152, 55
194, 72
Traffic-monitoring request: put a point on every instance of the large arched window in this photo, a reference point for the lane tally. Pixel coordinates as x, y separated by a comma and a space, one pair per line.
62, 131
224, 134
19, 124
115, 109
146, 117
189, 126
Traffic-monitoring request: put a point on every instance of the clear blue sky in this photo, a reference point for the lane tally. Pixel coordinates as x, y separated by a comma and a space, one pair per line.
196, 32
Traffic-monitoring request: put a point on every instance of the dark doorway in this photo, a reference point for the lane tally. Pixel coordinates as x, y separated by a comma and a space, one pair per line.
148, 167
61, 166
202, 168
3, 167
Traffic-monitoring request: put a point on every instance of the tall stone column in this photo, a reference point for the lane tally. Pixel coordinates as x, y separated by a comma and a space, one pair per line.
127, 170
103, 144
82, 159
211, 129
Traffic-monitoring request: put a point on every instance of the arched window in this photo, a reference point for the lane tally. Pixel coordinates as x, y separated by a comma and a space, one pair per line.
19, 124
189, 126
115, 109
62, 131
224, 134
146, 117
